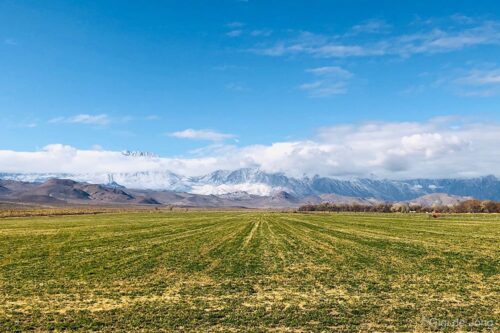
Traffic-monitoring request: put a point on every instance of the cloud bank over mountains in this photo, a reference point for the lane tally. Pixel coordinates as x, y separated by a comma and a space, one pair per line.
438, 148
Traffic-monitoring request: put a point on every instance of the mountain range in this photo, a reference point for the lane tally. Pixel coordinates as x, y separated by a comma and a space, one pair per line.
242, 187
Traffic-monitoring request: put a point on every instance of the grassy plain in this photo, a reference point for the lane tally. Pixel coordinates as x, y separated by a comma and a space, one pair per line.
250, 271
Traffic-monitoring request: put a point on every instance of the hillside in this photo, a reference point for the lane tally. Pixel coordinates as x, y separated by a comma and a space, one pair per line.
65, 191
259, 183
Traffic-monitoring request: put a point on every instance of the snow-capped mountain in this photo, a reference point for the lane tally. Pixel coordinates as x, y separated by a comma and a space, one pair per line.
161, 180
253, 181
258, 182
135, 153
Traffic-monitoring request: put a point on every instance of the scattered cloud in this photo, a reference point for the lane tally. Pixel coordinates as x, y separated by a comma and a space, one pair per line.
234, 33
479, 82
332, 81
429, 40
261, 33
223, 68
204, 134
235, 24
153, 117
422, 37
10, 41
481, 77
100, 119
27, 124
125, 119
441, 147
414, 89
235, 86
235, 29
463, 19
373, 26
323, 88
331, 71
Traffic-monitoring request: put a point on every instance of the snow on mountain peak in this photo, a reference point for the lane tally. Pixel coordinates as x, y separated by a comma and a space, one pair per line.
258, 182
135, 153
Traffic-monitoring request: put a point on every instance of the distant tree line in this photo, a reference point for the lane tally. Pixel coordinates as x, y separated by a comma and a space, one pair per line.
468, 206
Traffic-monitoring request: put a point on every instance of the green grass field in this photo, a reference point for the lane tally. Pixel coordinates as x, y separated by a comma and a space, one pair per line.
241, 271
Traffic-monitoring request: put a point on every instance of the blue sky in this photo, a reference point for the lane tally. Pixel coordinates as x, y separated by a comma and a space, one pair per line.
190, 78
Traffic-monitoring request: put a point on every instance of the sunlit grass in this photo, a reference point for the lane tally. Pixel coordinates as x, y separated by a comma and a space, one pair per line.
223, 271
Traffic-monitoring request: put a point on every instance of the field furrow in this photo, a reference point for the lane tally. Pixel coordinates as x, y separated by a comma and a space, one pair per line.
249, 271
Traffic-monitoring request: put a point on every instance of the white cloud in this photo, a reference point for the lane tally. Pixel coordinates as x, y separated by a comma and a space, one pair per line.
10, 41
481, 77
236, 86
261, 33
482, 80
330, 71
100, 119
370, 27
333, 81
473, 80
324, 88
234, 33
235, 24
225, 67
444, 147
479, 82
28, 123
430, 40
203, 134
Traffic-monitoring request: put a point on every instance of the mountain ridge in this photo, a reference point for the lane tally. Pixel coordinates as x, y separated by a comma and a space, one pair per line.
261, 183
67, 192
